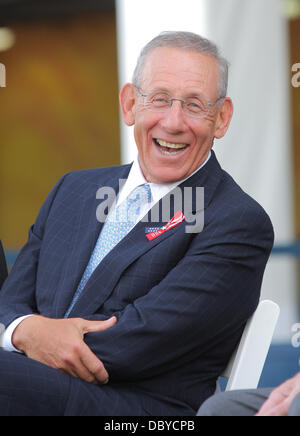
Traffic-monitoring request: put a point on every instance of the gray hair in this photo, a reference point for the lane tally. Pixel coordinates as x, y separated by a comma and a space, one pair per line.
184, 41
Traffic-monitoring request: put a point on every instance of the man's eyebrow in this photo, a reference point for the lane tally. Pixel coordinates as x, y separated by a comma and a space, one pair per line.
195, 94
190, 94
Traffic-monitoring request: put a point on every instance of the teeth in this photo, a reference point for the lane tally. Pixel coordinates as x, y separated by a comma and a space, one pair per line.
170, 145
170, 153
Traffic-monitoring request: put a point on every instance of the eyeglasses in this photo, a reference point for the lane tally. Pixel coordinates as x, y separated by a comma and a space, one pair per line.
195, 107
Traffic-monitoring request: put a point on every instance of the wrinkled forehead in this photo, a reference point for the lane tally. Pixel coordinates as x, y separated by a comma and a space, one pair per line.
181, 71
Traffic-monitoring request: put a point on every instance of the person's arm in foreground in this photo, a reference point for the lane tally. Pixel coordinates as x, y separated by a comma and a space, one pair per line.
281, 398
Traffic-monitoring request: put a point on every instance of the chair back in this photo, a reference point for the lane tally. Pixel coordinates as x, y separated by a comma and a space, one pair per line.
246, 365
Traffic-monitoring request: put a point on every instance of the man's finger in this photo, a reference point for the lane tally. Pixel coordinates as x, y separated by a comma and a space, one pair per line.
94, 365
78, 369
98, 326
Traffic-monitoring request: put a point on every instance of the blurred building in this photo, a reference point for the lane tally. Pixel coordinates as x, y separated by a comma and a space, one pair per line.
59, 110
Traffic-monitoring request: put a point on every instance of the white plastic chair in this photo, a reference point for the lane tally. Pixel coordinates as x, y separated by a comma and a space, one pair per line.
246, 365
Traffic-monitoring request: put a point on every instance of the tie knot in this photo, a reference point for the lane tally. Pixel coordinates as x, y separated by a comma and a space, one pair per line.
141, 194
139, 197
130, 209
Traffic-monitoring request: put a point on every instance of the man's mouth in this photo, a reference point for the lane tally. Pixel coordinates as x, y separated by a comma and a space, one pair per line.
169, 148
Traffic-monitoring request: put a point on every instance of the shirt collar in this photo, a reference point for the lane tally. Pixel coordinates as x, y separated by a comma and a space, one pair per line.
158, 190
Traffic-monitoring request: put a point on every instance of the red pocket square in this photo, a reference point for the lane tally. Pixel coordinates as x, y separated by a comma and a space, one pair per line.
177, 219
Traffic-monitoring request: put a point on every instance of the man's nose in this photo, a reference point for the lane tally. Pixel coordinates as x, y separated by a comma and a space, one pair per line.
174, 119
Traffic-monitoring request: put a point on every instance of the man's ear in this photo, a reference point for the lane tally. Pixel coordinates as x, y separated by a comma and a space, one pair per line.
224, 118
128, 103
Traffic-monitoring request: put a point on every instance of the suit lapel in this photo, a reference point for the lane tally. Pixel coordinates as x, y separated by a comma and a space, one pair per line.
85, 233
136, 244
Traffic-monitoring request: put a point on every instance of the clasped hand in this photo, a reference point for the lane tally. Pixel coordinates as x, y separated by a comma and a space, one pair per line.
59, 343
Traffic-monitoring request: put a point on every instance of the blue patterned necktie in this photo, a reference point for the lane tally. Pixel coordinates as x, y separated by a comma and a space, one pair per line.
116, 227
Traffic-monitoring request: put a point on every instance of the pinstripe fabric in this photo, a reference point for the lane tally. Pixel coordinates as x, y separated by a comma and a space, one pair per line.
49, 392
181, 300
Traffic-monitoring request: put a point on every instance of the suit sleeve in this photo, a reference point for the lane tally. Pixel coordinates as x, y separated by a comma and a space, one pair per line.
200, 306
17, 297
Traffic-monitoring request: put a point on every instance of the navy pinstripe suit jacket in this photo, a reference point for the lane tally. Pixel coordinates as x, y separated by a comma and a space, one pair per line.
181, 300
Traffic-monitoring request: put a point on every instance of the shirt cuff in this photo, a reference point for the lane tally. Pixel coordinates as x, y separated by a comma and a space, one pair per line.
6, 338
